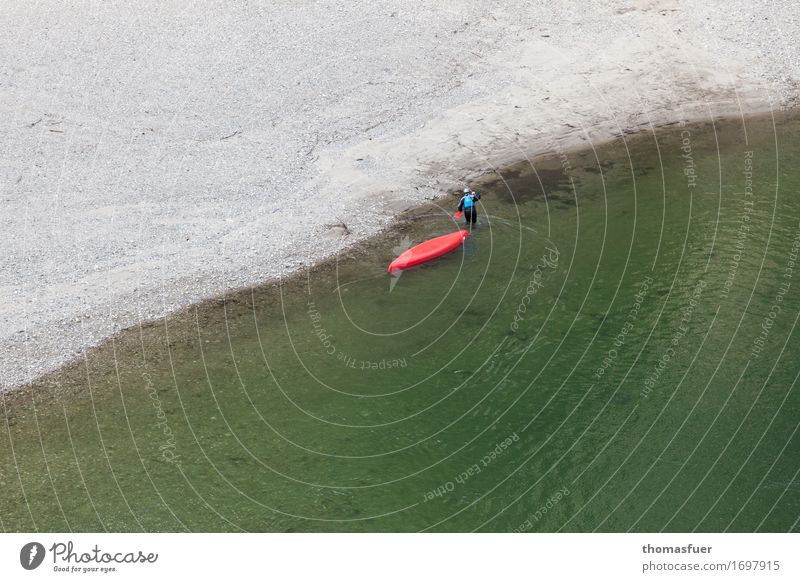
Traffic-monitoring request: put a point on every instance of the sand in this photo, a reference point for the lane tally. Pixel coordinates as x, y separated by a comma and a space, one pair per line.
156, 154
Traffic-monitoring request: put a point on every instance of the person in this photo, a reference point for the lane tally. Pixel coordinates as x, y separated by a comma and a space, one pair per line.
467, 206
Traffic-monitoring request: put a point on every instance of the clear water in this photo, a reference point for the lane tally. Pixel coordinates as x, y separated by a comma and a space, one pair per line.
603, 354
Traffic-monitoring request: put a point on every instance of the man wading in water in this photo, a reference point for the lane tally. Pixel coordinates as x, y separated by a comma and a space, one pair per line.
467, 206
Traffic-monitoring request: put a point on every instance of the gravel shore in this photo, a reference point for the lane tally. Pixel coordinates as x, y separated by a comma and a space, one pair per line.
158, 153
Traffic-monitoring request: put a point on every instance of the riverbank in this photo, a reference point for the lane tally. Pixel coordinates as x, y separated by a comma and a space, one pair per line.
161, 158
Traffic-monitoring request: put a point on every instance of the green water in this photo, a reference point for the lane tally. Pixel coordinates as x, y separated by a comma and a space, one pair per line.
603, 355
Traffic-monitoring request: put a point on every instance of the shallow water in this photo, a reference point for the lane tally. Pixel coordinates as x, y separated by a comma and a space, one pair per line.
612, 350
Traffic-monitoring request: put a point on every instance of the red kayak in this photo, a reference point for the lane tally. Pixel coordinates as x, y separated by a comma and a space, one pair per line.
430, 249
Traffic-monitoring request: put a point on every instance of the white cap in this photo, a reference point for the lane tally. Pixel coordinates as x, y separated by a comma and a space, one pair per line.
466, 190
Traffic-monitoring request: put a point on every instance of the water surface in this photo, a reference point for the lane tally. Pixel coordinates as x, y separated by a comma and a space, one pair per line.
612, 350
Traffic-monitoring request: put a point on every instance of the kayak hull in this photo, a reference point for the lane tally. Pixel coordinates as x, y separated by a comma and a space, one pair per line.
428, 250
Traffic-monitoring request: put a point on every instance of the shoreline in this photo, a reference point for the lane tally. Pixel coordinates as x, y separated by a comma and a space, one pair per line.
350, 252
140, 255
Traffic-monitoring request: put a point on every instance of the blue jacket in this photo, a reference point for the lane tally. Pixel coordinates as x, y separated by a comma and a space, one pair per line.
468, 201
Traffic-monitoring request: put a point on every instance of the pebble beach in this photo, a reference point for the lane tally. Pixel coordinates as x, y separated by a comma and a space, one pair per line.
159, 154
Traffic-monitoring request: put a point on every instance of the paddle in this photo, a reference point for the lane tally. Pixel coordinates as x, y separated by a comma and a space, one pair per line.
458, 214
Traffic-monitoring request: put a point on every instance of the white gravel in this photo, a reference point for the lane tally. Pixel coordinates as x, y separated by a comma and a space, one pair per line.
156, 153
